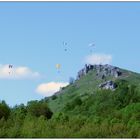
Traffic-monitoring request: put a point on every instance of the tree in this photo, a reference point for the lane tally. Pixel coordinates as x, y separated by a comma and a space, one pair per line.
38, 109
4, 110
19, 112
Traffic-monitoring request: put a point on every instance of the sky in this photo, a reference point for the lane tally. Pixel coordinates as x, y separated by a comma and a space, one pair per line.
37, 36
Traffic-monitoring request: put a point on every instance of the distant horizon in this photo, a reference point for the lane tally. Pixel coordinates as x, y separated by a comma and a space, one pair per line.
48, 42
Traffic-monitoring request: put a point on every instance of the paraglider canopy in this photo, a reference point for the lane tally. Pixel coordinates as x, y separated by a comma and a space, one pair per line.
10, 66
58, 66
65, 43
91, 44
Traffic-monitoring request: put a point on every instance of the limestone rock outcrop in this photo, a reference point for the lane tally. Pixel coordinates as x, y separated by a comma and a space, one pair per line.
101, 71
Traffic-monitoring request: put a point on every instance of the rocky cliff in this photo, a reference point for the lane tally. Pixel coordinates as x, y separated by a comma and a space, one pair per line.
101, 71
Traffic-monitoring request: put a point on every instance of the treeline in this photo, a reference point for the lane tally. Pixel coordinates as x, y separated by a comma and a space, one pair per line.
105, 114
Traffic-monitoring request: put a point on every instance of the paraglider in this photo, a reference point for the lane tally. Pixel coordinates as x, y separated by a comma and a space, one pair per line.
10, 68
91, 45
58, 66
65, 44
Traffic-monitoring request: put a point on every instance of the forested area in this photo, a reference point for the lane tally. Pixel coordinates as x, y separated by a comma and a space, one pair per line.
107, 114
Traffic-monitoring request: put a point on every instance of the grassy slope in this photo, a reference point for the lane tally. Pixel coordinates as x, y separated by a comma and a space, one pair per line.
86, 86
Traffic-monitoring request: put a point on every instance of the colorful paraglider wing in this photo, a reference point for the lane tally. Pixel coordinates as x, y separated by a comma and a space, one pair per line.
58, 66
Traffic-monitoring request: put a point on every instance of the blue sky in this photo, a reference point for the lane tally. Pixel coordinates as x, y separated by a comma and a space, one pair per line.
32, 35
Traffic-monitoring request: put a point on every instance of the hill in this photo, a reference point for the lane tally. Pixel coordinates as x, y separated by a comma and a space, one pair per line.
87, 84
103, 102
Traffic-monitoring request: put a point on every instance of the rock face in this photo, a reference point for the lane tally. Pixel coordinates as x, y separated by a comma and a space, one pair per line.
101, 71
108, 85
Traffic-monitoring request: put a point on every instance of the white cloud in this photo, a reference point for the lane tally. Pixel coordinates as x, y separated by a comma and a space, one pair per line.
20, 72
98, 59
48, 89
